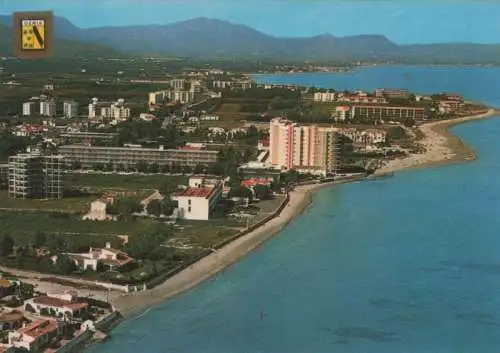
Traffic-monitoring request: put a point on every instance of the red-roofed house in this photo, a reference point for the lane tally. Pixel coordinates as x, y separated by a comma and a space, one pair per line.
250, 183
28, 130
63, 306
37, 334
198, 203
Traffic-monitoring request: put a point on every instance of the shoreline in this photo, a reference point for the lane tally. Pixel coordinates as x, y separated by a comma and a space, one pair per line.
442, 147
130, 305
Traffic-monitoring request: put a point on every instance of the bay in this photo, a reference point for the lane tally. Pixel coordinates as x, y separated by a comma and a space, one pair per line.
406, 264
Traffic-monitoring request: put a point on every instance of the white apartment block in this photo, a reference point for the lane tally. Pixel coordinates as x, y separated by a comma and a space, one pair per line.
342, 113
221, 84
178, 84
199, 200
29, 108
325, 97
48, 108
70, 109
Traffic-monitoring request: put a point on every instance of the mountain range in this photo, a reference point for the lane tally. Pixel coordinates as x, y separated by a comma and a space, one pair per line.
210, 39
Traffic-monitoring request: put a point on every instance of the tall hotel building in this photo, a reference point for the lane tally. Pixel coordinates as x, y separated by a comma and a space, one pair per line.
34, 176
304, 148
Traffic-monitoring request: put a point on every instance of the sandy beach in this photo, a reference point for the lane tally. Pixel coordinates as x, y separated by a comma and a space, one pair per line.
441, 147
130, 304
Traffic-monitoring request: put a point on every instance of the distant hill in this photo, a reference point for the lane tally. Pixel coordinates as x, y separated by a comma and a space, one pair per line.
63, 48
209, 39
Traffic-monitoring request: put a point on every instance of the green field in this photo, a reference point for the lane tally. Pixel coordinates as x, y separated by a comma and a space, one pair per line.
121, 182
69, 204
17, 223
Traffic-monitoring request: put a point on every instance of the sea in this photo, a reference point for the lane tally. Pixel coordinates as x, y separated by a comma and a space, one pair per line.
408, 264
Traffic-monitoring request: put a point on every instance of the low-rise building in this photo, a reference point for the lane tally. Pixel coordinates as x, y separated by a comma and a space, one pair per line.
37, 335
6, 287
198, 201
63, 306
111, 259
98, 210
11, 319
341, 113
373, 136
388, 112
89, 156
325, 97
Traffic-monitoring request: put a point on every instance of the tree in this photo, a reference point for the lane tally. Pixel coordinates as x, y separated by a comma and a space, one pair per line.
240, 192
200, 169
109, 167
125, 207
40, 239
56, 243
98, 167
290, 177
166, 188
145, 245
142, 167
75, 165
154, 168
155, 208
6, 245
65, 265
262, 192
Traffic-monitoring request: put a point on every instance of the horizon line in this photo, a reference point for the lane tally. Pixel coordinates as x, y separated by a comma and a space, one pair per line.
252, 28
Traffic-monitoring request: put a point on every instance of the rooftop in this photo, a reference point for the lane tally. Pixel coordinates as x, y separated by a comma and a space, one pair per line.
196, 192
85, 147
49, 301
5, 283
39, 328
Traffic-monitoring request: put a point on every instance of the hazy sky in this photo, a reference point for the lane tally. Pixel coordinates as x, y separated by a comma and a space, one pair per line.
403, 21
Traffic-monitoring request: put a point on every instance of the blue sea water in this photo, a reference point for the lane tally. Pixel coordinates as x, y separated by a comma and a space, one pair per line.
409, 264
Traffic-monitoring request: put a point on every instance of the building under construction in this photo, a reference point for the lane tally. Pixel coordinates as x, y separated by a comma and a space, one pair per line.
35, 176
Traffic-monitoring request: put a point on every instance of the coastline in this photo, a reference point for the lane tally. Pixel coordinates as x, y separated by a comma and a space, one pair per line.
132, 304
442, 147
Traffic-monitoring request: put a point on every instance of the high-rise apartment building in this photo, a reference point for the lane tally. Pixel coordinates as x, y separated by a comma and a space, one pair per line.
28, 108
93, 106
70, 109
313, 148
34, 176
48, 108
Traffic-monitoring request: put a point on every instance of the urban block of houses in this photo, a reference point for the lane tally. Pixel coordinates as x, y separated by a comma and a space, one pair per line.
111, 259
64, 306
37, 334
369, 136
199, 199
28, 130
98, 210
11, 319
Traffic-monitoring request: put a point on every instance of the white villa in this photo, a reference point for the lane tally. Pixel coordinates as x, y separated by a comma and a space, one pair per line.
112, 259
198, 201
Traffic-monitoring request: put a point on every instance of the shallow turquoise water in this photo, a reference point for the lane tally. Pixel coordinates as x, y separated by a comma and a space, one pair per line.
406, 264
